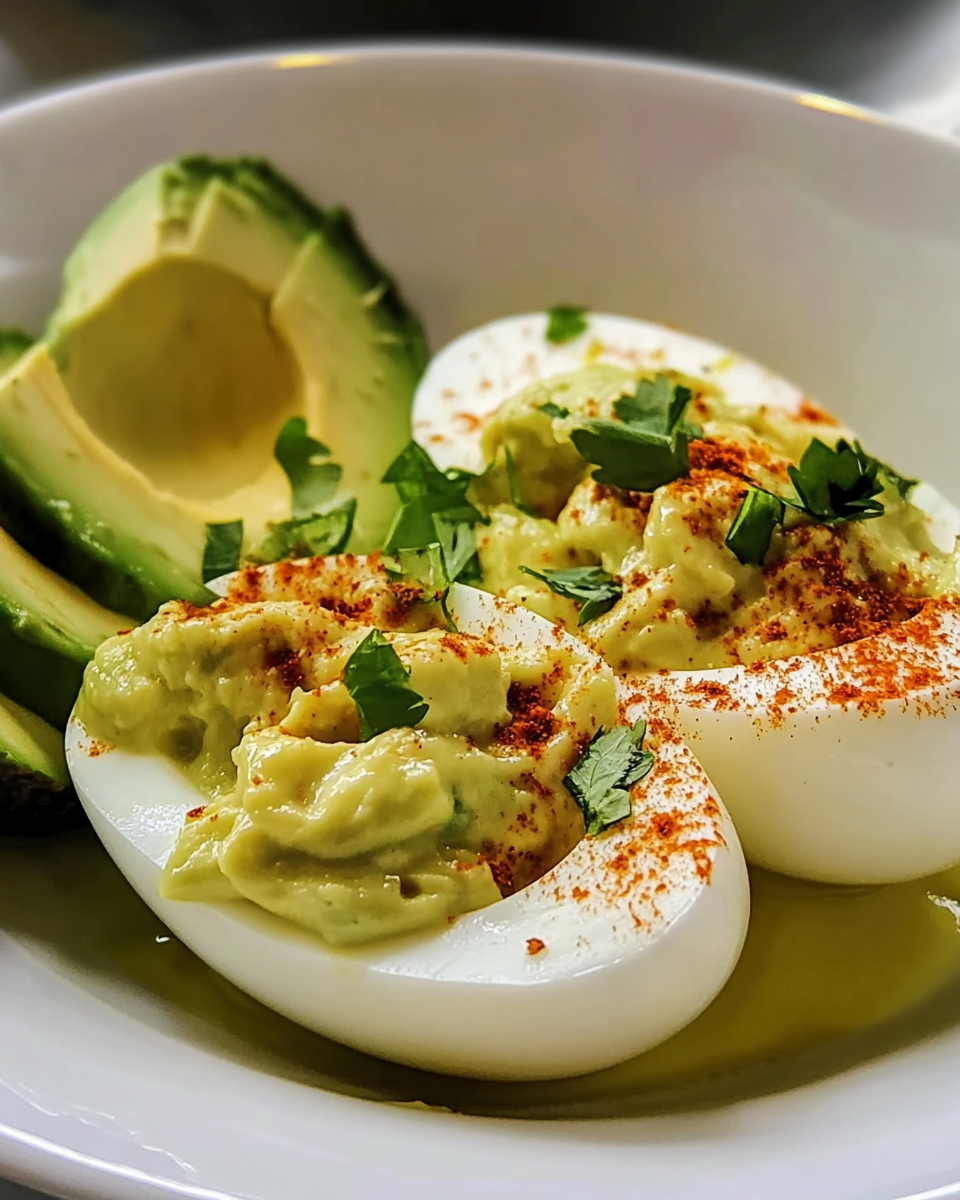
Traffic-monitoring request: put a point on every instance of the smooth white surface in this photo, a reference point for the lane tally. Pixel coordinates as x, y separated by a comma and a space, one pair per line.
823, 245
470, 1000
825, 791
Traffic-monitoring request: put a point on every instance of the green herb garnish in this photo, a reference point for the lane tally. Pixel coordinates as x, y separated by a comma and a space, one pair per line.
313, 480
759, 515
306, 537
221, 551
377, 681
658, 405
601, 781
433, 510
838, 484
902, 485
591, 587
647, 447
516, 496
458, 545
565, 322
557, 411
833, 485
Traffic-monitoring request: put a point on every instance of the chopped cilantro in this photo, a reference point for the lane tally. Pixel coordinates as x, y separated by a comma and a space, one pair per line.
838, 484
556, 411
752, 528
833, 485
601, 781
377, 680
647, 446
658, 405
458, 545
434, 510
305, 537
591, 587
461, 820
565, 322
516, 496
221, 551
313, 482
902, 485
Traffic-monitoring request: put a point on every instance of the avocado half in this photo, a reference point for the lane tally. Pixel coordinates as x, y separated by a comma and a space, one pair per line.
206, 305
36, 796
48, 632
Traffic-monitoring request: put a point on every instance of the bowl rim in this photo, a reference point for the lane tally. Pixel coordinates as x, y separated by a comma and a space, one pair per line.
41, 1163
308, 53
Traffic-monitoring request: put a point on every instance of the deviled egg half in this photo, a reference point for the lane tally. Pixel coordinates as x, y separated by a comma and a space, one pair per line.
744, 565
419, 823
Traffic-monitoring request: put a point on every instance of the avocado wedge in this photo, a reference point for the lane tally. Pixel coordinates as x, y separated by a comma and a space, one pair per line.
208, 304
48, 632
36, 796
14, 344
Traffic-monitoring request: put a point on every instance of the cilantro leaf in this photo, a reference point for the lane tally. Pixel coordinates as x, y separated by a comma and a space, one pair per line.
647, 446
434, 510
426, 491
458, 545
902, 485
749, 537
838, 484
657, 405
312, 482
833, 485
591, 587
565, 322
557, 411
516, 496
629, 457
221, 551
377, 681
305, 537
600, 782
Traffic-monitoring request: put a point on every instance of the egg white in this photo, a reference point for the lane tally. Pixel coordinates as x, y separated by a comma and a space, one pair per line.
838, 783
640, 931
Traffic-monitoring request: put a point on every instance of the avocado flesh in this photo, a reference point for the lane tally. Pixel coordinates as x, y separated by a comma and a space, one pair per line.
35, 792
205, 306
212, 379
78, 506
48, 633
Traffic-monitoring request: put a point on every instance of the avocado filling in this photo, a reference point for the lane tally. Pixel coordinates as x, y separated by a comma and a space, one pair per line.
328, 804
660, 579
181, 373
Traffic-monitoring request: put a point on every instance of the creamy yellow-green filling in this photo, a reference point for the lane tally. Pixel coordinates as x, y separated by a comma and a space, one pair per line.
687, 602
356, 840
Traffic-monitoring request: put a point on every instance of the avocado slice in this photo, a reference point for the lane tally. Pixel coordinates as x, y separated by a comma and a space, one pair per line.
14, 344
48, 632
36, 796
206, 305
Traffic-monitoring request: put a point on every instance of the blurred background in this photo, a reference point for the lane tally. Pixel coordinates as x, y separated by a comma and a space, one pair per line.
903, 55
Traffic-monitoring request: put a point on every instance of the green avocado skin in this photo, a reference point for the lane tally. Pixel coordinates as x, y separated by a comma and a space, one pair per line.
33, 804
37, 677
36, 796
37, 523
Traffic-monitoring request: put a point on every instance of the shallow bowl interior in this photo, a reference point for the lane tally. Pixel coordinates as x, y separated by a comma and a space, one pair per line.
823, 243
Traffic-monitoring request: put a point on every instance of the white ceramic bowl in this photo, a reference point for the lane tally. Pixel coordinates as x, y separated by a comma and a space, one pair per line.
823, 242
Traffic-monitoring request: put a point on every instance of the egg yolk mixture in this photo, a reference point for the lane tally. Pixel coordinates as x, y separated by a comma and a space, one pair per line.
687, 600
349, 829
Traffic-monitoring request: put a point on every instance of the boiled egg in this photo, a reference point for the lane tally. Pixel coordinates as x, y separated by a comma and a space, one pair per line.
837, 765
621, 944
